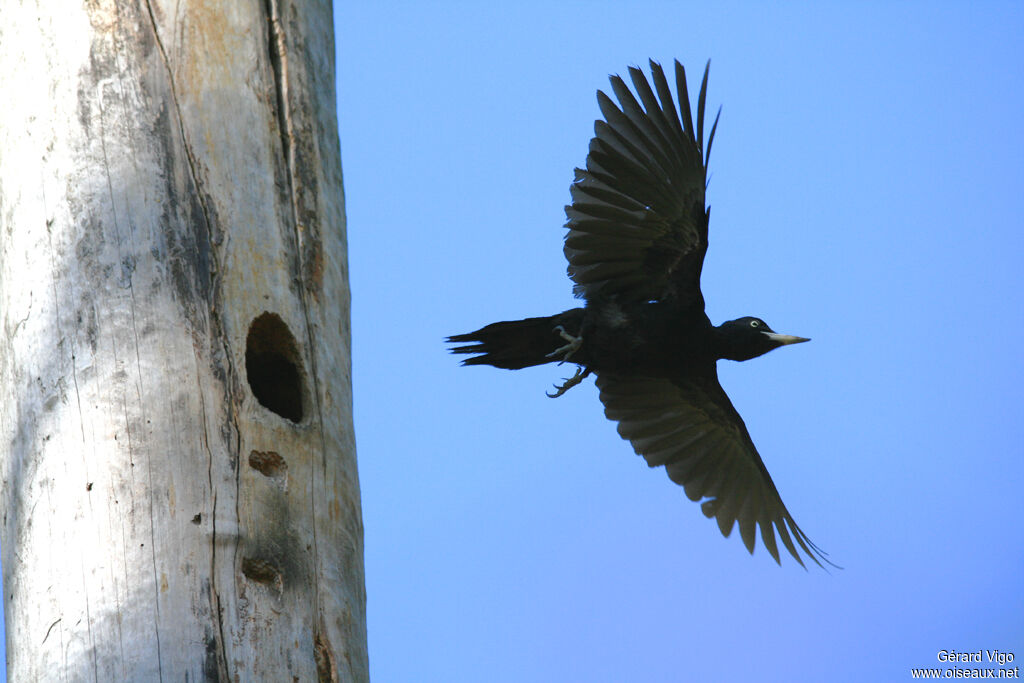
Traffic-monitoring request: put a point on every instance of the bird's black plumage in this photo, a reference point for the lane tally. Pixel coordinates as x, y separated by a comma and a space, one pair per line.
638, 233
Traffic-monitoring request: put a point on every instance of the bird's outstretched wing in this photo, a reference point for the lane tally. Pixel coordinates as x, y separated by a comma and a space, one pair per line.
689, 425
638, 227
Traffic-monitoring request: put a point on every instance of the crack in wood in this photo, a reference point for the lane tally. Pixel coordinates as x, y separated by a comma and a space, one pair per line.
217, 334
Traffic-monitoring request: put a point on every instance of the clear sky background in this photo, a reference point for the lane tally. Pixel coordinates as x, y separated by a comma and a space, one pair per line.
867, 185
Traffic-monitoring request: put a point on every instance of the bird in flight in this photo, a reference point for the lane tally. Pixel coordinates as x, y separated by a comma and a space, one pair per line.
638, 232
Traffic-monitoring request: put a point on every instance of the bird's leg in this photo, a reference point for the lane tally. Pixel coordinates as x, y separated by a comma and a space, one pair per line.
570, 382
568, 349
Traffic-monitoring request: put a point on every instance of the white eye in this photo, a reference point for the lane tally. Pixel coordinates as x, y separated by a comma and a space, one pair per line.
755, 323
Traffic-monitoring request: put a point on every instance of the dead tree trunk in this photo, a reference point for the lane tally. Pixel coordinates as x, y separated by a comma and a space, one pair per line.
178, 466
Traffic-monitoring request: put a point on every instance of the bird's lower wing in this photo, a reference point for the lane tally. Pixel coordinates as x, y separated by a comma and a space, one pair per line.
690, 426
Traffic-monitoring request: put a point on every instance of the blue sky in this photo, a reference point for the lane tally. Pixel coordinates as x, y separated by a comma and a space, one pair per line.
866, 190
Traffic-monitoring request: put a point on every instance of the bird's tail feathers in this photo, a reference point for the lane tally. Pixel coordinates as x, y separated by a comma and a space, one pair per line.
518, 344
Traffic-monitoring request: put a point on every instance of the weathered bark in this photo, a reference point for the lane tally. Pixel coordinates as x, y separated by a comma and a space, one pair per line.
179, 482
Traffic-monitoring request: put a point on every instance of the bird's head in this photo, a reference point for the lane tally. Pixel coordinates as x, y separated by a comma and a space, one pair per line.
746, 338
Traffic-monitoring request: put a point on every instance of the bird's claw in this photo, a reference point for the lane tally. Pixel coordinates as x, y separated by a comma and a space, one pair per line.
569, 383
574, 343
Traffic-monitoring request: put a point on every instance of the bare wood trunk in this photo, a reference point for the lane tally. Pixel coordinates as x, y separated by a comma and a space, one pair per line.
179, 482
